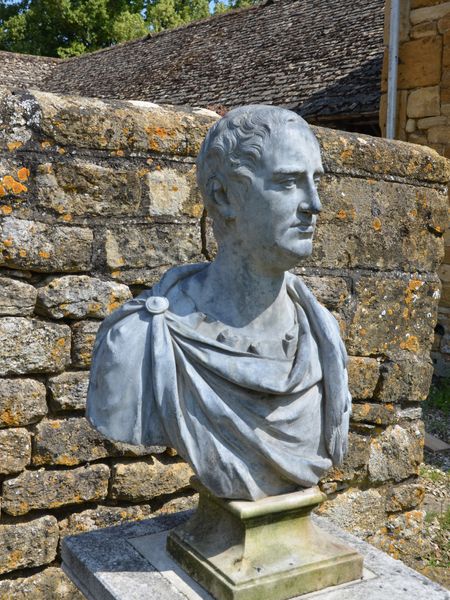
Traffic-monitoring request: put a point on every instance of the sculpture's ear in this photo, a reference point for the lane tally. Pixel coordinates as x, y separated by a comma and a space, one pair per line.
221, 199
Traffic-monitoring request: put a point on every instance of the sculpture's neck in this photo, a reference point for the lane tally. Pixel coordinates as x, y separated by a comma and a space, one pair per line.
241, 294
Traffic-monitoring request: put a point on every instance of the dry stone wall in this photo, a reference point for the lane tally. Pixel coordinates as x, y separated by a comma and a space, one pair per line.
423, 106
98, 198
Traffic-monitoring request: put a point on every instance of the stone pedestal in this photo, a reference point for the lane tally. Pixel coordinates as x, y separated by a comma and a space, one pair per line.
270, 548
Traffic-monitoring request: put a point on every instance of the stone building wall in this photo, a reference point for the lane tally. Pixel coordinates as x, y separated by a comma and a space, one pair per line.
97, 199
423, 107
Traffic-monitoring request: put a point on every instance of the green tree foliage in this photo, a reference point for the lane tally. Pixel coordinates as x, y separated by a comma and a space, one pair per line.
70, 27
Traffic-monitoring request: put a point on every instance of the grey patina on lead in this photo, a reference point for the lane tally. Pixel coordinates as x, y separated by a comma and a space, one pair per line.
234, 363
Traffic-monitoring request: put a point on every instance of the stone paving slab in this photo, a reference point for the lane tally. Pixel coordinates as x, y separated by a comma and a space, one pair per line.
113, 564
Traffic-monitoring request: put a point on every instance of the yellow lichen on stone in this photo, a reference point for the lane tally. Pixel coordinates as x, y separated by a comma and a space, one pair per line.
45, 144
23, 174
6, 209
342, 214
14, 145
411, 344
44, 254
376, 224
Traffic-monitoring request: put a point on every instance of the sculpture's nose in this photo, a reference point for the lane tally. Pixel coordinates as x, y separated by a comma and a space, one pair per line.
310, 202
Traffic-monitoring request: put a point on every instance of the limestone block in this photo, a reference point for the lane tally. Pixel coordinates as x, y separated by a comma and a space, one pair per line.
403, 535
73, 441
332, 292
420, 62
50, 584
80, 296
34, 490
444, 23
15, 450
423, 30
407, 379
144, 480
378, 414
68, 442
22, 401
79, 188
95, 124
169, 192
355, 461
363, 375
32, 346
361, 219
429, 122
410, 125
40, 247
102, 516
404, 497
396, 454
446, 51
420, 3
393, 316
354, 153
16, 297
149, 246
25, 545
359, 511
83, 335
429, 13
424, 102
439, 134
68, 391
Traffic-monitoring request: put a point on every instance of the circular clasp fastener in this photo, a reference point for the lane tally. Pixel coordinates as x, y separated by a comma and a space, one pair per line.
156, 304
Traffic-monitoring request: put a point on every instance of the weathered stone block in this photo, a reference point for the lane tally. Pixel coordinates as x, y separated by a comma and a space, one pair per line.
332, 292
363, 375
80, 296
396, 454
102, 516
79, 188
439, 134
378, 414
408, 379
429, 122
444, 23
83, 338
404, 497
34, 490
420, 62
169, 193
73, 441
420, 3
29, 544
353, 153
40, 247
361, 220
68, 442
429, 12
151, 246
359, 511
144, 480
15, 450
355, 462
49, 584
16, 297
393, 315
423, 30
33, 346
95, 124
22, 401
68, 391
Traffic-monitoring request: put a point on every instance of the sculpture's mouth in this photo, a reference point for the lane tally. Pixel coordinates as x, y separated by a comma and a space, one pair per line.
304, 227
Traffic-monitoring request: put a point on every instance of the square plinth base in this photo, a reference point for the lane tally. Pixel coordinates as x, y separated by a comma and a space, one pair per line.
270, 548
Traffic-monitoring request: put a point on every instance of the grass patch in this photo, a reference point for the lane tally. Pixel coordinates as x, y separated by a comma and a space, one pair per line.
439, 396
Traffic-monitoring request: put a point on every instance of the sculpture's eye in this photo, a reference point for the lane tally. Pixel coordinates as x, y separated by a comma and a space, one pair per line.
289, 183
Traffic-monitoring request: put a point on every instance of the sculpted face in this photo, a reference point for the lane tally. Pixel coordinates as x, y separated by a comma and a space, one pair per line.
277, 206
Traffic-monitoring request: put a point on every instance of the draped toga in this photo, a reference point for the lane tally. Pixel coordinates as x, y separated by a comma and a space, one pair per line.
250, 423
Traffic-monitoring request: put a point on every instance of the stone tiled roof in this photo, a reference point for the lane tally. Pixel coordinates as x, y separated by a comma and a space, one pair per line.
321, 57
25, 70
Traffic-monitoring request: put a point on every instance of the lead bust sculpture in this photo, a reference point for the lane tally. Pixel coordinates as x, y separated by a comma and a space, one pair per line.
234, 362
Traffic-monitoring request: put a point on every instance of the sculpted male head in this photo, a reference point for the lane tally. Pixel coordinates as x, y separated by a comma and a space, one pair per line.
257, 171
